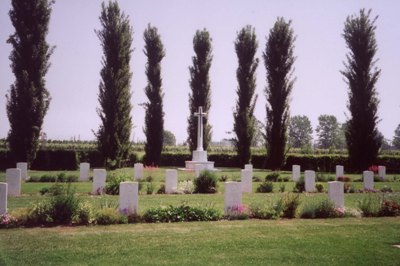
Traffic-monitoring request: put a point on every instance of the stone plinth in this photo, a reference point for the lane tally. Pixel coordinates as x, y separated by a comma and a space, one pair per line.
368, 180
336, 193
248, 167
13, 179
84, 169
247, 181
3, 198
296, 173
339, 171
171, 181
197, 169
309, 180
24, 170
382, 172
99, 181
128, 197
232, 196
138, 171
190, 165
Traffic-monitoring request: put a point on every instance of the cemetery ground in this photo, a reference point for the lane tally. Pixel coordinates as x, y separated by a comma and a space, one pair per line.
349, 241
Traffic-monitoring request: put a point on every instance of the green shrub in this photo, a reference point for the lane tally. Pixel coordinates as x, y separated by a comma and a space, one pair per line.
83, 214
8, 221
369, 205
284, 179
182, 213
386, 189
265, 187
108, 216
256, 179
390, 206
64, 205
321, 209
319, 187
268, 211
206, 182
113, 181
289, 204
282, 187
161, 190
300, 186
223, 178
273, 177
149, 188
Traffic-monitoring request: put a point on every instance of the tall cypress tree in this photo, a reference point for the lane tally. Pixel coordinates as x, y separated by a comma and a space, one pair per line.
154, 119
200, 86
361, 74
244, 120
113, 136
278, 59
28, 99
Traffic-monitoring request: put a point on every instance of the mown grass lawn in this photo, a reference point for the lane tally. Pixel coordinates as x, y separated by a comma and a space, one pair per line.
347, 241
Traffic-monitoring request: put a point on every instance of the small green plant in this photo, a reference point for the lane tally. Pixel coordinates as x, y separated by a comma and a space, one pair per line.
161, 190
369, 205
273, 177
265, 211
149, 188
256, 179
300, 186
223, 178
386, 189
108, 216
149, 178
319, 187
390, 206
282, 187
113, 181
289, 204
265, 187
206, 182
186, 187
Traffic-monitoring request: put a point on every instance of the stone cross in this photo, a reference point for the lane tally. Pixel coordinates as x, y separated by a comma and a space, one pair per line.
200, 116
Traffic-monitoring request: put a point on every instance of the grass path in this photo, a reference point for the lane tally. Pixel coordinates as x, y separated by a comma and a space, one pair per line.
348, 241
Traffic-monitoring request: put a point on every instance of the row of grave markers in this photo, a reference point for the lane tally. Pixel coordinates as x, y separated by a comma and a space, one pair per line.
233, 190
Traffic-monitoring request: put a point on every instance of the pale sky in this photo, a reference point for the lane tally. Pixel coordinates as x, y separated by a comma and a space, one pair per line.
73, 78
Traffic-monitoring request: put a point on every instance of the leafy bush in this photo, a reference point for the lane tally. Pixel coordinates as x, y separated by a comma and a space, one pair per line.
282, 187
83, 214
186, 187
223, 178
161, 190
61, 177
289, 204
319, 187
106, 216
269, 211
113, 181
284, 179
149, 188
273, 177
206, 182
300, 186
182, 213
321, 209
64, 205
369, 205
265, 187
386, 189
390, 206
8, 221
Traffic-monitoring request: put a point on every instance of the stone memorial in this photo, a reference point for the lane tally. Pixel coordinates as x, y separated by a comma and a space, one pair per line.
336, 193
171, 181
3, 198
382, 172
138, 171
128, 198
197, 170
247, 176
13, 179
248, 167
339, 171
84, 170
232, 196
199, 155
309, 180
296, 173
99, 181
368, 180
24, 170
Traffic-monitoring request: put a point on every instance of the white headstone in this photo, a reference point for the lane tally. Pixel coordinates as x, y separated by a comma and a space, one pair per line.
368, 180
3, 198
128, 197
171, 181
24, 170
248, 167
138, 174
382, 172
336, 193
309, 180
197, 169
247, 181
296, 173
99, 181
84, 169
232, 196
339, 171
13, 179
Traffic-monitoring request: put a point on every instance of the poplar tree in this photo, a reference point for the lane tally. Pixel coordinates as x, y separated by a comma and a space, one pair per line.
278, 60
244, 120
154, 118
28, 98
200, 87
113, 136
361, 74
